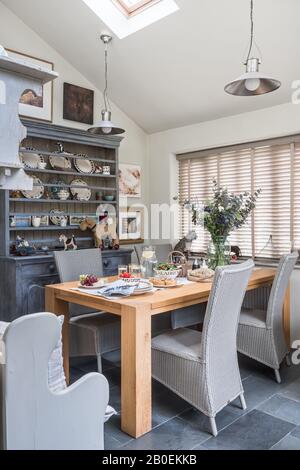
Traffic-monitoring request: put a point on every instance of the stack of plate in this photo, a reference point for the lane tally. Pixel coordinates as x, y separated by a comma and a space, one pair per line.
143, 288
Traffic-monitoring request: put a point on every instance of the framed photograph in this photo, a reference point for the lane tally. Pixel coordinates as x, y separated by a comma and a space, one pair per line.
131, 225
130, 184
36, 104
78, 104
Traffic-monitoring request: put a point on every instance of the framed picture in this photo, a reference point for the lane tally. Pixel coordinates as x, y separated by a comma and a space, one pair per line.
36, 105
130, 180
78, 104
131, 225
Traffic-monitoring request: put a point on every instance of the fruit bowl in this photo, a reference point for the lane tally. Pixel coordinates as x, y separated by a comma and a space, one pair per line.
166, 271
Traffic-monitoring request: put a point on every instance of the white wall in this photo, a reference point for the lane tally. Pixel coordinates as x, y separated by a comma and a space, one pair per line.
14, 34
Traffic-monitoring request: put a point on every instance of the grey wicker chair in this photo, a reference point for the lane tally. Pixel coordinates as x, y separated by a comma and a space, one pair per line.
91, 333
202, 367
260, 332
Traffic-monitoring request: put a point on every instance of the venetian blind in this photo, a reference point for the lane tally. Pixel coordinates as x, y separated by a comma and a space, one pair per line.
273, 166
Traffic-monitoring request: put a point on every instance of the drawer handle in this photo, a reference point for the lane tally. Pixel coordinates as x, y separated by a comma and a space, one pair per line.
52, 267
106, 263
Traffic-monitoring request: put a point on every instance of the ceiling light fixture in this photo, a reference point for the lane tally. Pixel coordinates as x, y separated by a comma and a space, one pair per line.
105, 126
252, 82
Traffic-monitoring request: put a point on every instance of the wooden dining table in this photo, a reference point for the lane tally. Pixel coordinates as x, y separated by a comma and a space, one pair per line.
135, 313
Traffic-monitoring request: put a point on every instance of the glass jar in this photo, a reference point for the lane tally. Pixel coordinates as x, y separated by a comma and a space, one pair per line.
148, 261
218, 252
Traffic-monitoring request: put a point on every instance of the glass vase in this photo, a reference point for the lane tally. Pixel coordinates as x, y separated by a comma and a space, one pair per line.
218, 252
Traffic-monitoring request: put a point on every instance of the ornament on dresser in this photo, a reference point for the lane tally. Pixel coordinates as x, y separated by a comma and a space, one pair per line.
22, 247
105, 232
184, 245
69, 243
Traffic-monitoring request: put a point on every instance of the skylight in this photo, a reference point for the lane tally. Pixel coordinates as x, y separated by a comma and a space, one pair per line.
125, 17
133, 7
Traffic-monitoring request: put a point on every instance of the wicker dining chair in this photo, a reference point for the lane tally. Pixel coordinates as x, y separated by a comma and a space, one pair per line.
260, 333
202, 367
91, 333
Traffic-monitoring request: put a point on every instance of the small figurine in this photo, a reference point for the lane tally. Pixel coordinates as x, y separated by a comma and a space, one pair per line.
69, 243
104, 230
184, 245
22, 247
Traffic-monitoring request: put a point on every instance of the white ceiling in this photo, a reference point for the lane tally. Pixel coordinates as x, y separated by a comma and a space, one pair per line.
173, 72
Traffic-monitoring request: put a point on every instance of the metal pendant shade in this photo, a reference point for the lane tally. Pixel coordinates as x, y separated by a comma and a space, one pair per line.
253, 82
105, 126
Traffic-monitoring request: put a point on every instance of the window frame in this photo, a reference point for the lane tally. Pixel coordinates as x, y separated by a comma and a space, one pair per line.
291, 141
134, 9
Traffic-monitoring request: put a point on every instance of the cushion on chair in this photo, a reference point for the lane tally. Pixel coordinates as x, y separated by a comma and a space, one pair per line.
253, 317
183, 342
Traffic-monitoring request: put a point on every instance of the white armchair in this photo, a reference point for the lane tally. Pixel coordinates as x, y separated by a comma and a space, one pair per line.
34, 417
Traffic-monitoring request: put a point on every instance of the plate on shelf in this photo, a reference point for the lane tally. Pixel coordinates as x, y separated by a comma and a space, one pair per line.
31, 160
37, 191
82, 193
60, 163
56, 217
84, 165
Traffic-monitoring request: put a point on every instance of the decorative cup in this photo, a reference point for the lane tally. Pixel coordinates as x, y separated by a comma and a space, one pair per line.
42, 165
12, 221
63, 222
36, 221
106, 170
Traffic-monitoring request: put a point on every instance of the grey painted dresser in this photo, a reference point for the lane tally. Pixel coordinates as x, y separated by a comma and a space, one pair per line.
22, 281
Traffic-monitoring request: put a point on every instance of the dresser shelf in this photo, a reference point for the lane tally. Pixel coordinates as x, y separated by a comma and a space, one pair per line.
58, 201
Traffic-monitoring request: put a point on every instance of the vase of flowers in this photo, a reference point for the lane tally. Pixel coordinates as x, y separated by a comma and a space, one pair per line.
218, 252
221, 215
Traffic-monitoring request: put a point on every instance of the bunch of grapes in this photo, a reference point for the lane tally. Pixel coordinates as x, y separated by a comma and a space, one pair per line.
88, 280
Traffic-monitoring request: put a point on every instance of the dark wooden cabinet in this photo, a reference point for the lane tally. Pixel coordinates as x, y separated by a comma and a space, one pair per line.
23, 281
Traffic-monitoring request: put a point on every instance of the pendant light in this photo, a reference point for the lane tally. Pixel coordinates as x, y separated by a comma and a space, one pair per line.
105, 126
253, 82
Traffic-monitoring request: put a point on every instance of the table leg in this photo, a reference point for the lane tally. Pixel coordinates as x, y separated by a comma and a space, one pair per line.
287, 315
60, 307
136, 399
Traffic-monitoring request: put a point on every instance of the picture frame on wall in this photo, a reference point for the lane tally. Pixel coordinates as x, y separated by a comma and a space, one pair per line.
131, 225
78, 104
36, 105
130, 180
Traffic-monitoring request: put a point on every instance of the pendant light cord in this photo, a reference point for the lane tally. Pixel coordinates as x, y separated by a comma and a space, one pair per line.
252, 31
105, 95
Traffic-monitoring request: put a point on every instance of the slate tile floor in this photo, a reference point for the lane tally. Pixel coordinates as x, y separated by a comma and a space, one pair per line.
271, 421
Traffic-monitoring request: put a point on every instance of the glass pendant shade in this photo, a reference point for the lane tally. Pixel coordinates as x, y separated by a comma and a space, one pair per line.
253, 82
105, 126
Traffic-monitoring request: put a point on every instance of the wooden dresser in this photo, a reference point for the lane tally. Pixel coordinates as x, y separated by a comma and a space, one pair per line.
22, 279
